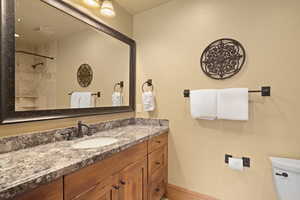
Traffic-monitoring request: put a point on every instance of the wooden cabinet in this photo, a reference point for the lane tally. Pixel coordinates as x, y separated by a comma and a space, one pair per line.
86, 178
157, 160
102, 191
157, 167
51, 191
137, 173
157, 189
133, 181
157, 142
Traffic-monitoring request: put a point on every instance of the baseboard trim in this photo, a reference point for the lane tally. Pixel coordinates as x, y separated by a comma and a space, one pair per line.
178, 193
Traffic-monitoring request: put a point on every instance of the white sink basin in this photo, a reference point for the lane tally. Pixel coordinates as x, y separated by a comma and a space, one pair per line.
95, 143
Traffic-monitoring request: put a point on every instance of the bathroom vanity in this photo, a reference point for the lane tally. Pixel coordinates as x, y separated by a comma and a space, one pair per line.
133, 168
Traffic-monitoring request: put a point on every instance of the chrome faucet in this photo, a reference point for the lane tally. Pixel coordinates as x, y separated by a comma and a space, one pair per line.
80, 131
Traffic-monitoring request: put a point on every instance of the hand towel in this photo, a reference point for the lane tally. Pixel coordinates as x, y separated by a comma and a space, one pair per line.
85, 100
203, 104
148, 101
117, 99
81, 100
75, 99
233, 104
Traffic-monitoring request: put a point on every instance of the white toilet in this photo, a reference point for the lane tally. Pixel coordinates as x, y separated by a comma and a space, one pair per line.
286, 176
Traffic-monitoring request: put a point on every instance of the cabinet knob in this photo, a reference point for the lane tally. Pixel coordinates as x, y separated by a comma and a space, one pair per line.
157, 190
158, 142
122, 182
157, 163
116, 187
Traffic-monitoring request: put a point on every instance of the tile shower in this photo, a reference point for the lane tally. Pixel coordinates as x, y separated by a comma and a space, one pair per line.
35, 86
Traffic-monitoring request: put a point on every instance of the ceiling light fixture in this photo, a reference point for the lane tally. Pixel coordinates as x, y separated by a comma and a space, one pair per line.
92, 3
17, 35
107, 9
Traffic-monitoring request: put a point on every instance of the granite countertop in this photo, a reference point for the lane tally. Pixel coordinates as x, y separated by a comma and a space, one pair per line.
28, 168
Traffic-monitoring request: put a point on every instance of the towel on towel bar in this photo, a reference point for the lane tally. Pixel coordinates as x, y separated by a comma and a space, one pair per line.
203, 104
81, 100
233, 104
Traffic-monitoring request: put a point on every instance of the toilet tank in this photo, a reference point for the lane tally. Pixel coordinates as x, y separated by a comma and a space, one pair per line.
286, 176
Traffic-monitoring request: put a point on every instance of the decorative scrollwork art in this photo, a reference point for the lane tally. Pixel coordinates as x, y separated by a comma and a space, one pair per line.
223, 59
84, 75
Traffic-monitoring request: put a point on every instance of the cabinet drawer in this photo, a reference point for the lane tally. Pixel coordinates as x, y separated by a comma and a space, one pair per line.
157, 190
157, 142
158, 175
157, 160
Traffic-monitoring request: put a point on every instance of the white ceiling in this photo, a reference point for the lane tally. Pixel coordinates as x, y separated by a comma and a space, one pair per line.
41, 23
137, 6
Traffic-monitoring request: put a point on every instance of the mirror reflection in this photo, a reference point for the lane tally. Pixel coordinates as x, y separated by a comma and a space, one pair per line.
62, 62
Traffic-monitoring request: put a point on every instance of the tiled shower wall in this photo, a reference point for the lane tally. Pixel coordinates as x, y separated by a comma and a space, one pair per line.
35, 87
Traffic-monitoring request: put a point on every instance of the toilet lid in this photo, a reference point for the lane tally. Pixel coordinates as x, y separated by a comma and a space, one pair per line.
286, 164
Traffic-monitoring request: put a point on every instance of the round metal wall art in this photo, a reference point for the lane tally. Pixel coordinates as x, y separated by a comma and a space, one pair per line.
84, 75
223, 58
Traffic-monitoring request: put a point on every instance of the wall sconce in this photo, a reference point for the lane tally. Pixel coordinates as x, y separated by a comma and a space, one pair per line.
106, 6
107, 9
92, 3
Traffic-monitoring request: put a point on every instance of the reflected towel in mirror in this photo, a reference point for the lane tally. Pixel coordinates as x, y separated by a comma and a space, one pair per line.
117, 99
81, 100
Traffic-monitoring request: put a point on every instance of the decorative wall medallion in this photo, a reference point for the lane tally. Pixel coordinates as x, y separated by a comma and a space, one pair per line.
84, 75
223, 59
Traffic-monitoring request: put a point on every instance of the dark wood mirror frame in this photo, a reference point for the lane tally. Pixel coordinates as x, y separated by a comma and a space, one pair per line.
8, 115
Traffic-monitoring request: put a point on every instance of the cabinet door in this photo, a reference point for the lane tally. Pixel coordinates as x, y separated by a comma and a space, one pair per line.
102, 191
51, 191
133, 181
116, 188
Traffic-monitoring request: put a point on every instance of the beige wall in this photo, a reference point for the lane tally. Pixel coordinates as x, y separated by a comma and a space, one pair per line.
170, 41
108, 58
123, 23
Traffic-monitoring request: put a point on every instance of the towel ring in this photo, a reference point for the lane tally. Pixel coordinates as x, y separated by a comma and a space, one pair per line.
120, 84
149, 84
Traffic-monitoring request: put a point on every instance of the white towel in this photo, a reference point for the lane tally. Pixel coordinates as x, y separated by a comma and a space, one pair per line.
75, 99
117, 99
233, 104
81, 100
148, 101
203, 104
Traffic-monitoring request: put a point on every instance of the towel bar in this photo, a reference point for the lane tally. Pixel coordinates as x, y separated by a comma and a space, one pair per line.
265, 92
98, 94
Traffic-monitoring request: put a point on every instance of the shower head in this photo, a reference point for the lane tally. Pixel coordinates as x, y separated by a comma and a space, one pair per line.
35, 65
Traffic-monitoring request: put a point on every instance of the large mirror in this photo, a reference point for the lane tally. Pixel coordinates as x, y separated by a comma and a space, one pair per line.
64, 63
